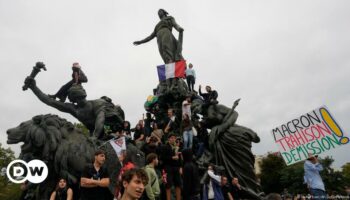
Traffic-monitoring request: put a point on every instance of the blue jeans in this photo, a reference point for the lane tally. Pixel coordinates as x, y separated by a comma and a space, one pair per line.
188, 139
318, 194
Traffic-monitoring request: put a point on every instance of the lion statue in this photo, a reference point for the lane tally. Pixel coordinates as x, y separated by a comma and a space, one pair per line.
65, 150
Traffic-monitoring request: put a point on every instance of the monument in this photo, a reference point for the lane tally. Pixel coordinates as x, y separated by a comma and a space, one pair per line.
67, 150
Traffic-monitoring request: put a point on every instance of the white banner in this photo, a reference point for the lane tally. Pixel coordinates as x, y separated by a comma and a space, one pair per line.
118, 144
315, 132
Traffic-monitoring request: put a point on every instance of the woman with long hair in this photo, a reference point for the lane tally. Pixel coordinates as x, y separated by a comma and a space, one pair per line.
62, 191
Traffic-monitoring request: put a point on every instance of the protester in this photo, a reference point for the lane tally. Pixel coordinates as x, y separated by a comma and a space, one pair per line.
126, 164
171, 164
94, 180
212, 187
133, 184
209, 97
225, 188
187, 132
236, 189
78, 77
190, 77
152, 188
313, 179
202, 138
273, 196
62, 191
186, 107
172, 124
126, 129
139, 135
191, 187
147, 124
157, 133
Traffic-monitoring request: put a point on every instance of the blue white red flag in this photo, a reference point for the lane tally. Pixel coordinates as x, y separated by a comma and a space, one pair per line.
172, 70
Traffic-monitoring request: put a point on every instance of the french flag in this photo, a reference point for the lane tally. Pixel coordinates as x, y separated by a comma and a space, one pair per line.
172, 70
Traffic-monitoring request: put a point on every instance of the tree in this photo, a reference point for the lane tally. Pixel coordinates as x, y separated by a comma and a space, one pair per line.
292, 177
346, 172
334, 180
271, 169
6, 156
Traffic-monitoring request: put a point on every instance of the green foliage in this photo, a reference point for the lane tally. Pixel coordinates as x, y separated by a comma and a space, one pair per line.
82, 128
292, 178
333, 180
346, 173
275, 176
6, 156
271, 168
8, 191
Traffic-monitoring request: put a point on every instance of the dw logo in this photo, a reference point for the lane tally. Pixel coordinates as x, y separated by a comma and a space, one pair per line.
18, 171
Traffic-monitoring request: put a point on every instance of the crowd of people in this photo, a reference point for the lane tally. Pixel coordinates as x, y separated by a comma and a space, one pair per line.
170, 150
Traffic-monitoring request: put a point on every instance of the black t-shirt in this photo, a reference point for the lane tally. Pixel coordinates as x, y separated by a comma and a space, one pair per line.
225, 190
235, 192
95, 193
138, 133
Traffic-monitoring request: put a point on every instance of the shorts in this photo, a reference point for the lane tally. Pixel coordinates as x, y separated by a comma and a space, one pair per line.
173, 177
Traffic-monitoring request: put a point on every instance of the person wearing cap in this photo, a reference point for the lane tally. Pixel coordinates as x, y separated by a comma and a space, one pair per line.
94, 180
78, 77
312, 177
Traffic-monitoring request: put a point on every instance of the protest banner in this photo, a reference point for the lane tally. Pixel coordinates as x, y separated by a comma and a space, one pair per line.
118, 145
315, 132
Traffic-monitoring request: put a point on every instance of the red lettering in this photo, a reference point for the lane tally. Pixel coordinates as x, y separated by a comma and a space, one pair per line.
315, 132
290, 145
294, 141
323, 129
307, 133
299, 137
280, 141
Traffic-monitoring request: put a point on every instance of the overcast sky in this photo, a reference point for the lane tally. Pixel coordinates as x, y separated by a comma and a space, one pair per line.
282, 58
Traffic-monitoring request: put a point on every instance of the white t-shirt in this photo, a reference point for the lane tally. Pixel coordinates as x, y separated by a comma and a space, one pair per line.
186, 109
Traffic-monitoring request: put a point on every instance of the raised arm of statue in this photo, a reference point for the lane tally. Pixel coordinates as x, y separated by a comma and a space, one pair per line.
147, 39
176, 26
64, 107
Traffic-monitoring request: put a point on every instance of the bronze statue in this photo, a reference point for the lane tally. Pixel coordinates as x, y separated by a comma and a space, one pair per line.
169, 48
58, 143
230, 144
94, 114
65, 150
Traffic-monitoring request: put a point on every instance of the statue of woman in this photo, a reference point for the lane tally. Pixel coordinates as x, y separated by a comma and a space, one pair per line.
169, 48
230, 144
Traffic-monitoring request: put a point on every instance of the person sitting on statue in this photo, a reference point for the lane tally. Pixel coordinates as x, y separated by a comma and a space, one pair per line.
209, 97
186, 107
78, 77
172, 124
169, 48
94, 114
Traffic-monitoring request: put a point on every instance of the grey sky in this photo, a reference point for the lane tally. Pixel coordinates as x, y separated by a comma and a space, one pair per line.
283, 58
